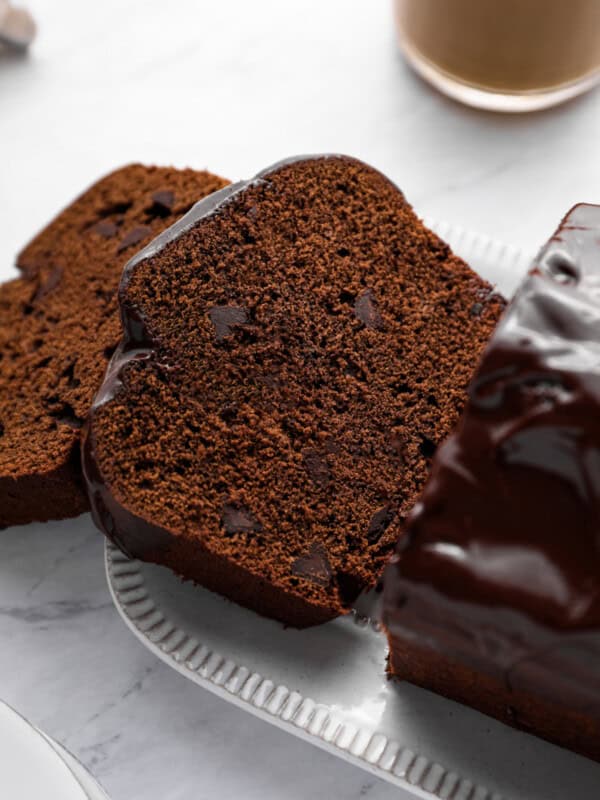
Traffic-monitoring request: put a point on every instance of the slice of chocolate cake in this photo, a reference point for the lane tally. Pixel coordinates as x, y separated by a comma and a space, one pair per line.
294, 349
59, 325
493, 598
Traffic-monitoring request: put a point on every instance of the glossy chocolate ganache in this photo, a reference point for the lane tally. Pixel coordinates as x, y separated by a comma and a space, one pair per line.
498, 573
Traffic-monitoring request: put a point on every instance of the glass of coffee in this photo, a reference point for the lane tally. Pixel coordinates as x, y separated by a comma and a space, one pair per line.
503, 55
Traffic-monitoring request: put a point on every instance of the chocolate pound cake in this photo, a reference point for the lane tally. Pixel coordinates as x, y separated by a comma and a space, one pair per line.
294, 350
59, 326
493, 598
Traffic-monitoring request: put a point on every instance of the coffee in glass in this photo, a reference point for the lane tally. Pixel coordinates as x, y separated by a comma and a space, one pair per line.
511, 55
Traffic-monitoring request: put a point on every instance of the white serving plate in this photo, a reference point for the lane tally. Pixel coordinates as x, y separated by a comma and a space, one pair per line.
33, 766
328, 685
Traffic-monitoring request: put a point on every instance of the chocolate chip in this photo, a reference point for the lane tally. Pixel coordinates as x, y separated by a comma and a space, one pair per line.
239, 519
164, 198
50, 282
134, 236
317, 468
106, 228
349, 587
380, 522
162, 204
116, 209
314, 566
366, 310
224, 318
476, 309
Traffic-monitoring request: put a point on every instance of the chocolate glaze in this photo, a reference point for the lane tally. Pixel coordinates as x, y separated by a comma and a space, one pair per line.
133, 535
499, 567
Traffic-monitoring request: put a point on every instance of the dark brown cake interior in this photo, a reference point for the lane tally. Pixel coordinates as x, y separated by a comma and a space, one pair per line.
291, 361
59, 326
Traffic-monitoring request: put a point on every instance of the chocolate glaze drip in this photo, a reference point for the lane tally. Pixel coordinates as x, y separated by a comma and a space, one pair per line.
500, 564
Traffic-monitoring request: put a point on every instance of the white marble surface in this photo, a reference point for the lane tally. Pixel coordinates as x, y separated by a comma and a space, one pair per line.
232, 86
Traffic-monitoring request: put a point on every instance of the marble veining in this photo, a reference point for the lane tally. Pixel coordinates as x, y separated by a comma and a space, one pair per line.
68, 663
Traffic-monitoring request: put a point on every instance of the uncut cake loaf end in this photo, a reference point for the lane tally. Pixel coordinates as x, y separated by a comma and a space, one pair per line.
493, 598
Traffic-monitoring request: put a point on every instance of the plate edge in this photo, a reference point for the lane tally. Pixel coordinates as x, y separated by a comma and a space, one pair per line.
302, 716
